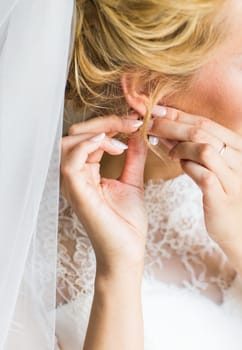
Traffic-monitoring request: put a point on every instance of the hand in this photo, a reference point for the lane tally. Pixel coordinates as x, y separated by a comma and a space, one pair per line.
197, 142
112, 211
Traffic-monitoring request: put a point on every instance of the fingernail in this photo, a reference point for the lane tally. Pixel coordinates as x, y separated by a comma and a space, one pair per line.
135, 123
98, 138
118, 144
159, 111
153, 140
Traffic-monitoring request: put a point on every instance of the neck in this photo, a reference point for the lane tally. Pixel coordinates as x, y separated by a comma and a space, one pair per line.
155, 168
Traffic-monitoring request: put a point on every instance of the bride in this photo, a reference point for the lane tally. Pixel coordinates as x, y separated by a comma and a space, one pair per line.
150, 246
150, 210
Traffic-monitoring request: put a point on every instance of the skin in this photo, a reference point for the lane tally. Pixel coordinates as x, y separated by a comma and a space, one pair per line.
216, 89
117, 233
219, 101
104, 205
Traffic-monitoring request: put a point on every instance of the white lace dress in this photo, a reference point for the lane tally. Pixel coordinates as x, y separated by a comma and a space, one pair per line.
192, 297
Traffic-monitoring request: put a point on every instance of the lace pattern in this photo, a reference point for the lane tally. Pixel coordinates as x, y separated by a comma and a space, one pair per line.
178, 249
176, 228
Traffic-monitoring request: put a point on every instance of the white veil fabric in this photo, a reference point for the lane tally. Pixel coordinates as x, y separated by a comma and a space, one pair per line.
35, 39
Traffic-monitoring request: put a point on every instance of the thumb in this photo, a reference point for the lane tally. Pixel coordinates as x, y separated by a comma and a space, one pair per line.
133, 171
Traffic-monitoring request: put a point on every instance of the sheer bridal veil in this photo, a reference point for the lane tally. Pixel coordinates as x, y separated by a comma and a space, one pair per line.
35, 38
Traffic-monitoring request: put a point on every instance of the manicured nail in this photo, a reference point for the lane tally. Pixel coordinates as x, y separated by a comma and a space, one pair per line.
135, 123
118, 144
153, 140
159, 111
98, 138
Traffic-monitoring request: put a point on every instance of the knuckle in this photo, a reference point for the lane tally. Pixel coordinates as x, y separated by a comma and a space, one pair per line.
207, 179
203, 123
195, 134
66, 170
72, 129
204, 151
115, 123
116, 119
174, 114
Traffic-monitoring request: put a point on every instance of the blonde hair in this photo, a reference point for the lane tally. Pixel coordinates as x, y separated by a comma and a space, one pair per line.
164, 41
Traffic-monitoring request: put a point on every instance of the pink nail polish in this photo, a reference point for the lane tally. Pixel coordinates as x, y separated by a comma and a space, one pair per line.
98, 138
135, 123
159, 111
118, 144
153, 140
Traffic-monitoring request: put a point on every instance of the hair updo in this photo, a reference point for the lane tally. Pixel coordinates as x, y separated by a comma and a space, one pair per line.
164, 41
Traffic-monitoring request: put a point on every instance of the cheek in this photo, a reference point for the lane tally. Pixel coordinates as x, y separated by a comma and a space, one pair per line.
219, 97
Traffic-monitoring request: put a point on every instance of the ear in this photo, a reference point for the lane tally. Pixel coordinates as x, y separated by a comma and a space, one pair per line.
134, 92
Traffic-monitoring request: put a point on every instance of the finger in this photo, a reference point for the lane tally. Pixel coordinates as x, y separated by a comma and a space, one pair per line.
111, 146
108, 124
96, 156
209, 184
205, 155
172, 130
232, 157
226, 135
133, 171
186, 132
69, 142
75, 160
177, 131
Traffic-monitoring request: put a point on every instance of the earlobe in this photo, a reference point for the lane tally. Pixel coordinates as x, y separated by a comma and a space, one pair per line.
133, 93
